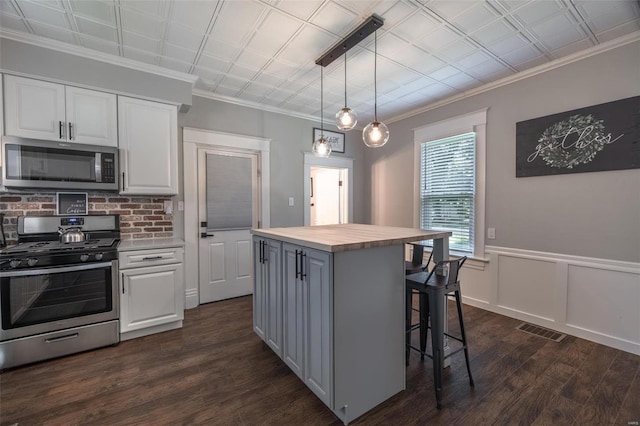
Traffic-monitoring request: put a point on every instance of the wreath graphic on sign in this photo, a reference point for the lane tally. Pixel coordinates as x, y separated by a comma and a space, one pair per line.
573, 141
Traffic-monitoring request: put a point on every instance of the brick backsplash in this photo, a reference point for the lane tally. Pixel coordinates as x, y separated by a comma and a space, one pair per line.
140, 216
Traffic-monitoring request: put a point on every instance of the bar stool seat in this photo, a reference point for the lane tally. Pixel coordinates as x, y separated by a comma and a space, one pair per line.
415, 265
434, 288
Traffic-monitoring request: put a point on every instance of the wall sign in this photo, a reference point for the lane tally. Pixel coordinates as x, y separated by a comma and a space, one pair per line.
336, 139
592, 139
72, 203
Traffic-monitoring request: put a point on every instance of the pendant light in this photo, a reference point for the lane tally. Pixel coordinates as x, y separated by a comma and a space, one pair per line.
346, 118
321, 147
376, 134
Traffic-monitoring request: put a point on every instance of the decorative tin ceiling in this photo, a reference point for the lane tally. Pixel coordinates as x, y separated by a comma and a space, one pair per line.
262, 52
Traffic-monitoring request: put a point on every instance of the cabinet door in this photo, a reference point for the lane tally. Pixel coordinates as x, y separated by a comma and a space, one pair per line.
259, 290
148, 140
273, 262
318, 324
34, 109
151, 296
91, 117
293, 321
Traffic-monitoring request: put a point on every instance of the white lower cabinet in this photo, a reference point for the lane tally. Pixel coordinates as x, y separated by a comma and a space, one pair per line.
292, 309
151, 291
341, 318
267, 295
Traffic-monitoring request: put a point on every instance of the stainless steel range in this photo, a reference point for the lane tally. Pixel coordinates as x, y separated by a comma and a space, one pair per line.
58, 298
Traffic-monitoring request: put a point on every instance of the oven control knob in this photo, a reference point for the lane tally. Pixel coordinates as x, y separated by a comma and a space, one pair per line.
32, 261
14, 263
84, 257
98, 256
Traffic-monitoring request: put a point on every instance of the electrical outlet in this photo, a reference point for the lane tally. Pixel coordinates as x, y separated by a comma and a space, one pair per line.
181, 206
168, 207
290, 201
491, 233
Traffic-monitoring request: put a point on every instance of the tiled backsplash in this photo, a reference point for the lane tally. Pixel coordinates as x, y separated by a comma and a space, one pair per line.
140, 216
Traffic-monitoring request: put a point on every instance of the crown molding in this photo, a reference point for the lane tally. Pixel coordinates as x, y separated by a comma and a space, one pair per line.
256, 105
95, 55
560, 62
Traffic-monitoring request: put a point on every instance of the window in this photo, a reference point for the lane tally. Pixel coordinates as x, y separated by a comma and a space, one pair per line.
447, 188
449, 183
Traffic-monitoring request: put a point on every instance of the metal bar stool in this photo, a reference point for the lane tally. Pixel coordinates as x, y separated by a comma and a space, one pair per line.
434, 288
417, 257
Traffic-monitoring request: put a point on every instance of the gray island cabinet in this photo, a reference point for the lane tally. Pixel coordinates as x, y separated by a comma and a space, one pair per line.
329, 300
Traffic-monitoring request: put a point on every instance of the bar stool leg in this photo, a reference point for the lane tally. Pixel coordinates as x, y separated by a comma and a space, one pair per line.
436, 306
424, 323
464, 336
408, 309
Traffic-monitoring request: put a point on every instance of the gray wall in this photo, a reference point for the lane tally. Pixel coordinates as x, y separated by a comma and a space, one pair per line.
290, 138
35, 61
586, 214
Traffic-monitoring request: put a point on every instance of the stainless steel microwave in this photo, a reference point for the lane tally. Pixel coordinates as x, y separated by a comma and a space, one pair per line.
30, 163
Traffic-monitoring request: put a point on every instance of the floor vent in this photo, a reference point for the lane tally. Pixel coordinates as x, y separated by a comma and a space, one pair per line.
541, 331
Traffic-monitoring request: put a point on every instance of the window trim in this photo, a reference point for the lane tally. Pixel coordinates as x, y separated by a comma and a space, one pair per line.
472, 122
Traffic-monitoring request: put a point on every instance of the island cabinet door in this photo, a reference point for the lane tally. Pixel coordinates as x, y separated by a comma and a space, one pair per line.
259, 291
293, 309
317, 276
272, 259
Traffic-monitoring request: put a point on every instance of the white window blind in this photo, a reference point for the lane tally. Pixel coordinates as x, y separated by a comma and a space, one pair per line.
229, 192
447, 188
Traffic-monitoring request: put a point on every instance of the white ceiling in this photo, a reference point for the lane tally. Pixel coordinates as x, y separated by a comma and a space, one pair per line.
263, 52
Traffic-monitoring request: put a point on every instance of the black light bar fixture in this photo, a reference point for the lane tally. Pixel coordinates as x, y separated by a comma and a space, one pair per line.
356, 36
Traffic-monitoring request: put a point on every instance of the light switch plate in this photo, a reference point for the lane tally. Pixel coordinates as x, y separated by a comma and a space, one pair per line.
290, 201
181, 206
491, 233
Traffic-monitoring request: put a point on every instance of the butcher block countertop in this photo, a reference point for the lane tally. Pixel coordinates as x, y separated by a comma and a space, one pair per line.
351, 236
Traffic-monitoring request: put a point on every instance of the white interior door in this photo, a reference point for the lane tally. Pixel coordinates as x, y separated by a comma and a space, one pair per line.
229, 207
328, 198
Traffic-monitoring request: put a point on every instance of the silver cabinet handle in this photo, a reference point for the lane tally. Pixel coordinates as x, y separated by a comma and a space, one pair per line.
70, 134
60, 127
152, 258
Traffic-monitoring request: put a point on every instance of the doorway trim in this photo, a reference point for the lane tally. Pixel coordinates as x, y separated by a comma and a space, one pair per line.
331, 162
194, 139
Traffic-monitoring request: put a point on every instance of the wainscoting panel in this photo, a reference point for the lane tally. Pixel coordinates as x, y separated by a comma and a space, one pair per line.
527, 285
595, 299
604, 301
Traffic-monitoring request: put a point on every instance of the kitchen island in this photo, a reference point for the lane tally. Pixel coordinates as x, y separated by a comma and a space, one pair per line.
330, 300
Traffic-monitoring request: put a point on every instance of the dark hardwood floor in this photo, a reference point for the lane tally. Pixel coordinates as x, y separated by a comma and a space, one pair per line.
215, 370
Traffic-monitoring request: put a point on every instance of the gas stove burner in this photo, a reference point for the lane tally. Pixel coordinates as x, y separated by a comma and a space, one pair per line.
39, 247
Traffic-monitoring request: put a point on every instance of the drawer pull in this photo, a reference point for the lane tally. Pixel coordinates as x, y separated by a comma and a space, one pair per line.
61, 338
152, 258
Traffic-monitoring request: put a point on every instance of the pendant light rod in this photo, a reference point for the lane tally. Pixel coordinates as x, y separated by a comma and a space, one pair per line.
355, 37
345, 78
375, 76
321, 104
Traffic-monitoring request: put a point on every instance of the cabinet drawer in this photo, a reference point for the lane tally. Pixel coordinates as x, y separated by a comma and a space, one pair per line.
139, 258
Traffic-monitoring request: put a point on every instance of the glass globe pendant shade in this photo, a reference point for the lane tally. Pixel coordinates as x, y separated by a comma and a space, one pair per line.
321, 147
346, 119
375, 135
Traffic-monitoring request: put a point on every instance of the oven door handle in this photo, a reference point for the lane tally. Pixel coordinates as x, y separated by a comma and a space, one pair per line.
29, 272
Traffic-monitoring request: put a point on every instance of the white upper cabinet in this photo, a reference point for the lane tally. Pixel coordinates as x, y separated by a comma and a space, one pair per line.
91, 117
34, 108
42, 110
148, 134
